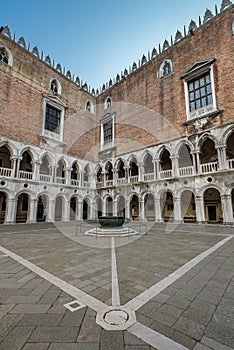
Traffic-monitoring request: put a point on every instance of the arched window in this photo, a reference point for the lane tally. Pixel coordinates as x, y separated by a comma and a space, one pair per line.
108, 103
55, 86
6, 56
165, 68
89, 107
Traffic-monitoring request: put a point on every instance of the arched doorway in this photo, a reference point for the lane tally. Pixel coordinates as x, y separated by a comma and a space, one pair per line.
75, 176
230, 151
22, 208
121, 206
5, 162
212, 205
109, 174
165, 169
61, 172
148, 167
188, 207
73, 206
109, 206
185, 161
41, 209
26, 168
149, 207
167, 206
134, 207
59, 209
3, 206
45, 172
86, 209
208, 157
98, 207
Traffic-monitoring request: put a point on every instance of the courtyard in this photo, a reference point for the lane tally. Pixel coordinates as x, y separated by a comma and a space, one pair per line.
170, 288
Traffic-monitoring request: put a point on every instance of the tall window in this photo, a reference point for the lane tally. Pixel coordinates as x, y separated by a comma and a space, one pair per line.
52, 119
107, 131
200, 92
200, 89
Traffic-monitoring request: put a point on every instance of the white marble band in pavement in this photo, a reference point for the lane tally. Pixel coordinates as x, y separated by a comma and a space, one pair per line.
114, 276
153, 338
137, 302
78, 294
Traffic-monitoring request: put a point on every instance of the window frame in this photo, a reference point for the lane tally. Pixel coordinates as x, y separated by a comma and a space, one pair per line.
9, 56
109, 119
50, 134
198, 71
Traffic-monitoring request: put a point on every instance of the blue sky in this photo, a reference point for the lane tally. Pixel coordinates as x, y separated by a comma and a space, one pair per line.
98, 39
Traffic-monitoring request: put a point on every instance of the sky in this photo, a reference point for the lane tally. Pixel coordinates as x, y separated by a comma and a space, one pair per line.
95, 40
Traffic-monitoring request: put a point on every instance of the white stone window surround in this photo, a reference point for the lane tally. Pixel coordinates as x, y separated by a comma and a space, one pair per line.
56, 103
161, 72
59, 87
108, 103
104, 120
201, 69
89, 107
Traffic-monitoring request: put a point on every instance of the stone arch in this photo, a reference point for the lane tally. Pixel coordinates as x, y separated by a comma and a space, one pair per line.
45, 167
212, 205
3, 206
149, 206
121, 205
133, 167
134, 204
61, 170
5, 160
109, 205
33, 153
188, 206
26, 167
23, 207
148, 163
89, 106
230, 149
208, 152
86, 208
98, 206
59, 208
185, 157
11, 146
109, 171
120, 167
42, 207
87, 173
167, 205
75, 173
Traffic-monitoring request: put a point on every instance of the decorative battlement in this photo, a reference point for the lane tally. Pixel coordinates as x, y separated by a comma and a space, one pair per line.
192, 28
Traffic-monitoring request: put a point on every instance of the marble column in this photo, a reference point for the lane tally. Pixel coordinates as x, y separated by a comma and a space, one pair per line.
226, 201
11, 207
32, 212
200, 209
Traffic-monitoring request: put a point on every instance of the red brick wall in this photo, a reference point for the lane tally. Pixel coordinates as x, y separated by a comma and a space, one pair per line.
165, 96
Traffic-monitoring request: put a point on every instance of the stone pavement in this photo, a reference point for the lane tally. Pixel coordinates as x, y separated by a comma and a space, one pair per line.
193, 310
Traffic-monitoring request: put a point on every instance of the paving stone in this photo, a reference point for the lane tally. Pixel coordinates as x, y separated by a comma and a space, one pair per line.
137, 347
214, 345
22, 299
73, 318
36, 346
183, 339
16, 338
113, 340
199, 346
7, 323
40, 320
80, 346
130, 339
162, 328
54, 334
49, 297
220, 333
4, 309
190, 328
90, 331
30, 309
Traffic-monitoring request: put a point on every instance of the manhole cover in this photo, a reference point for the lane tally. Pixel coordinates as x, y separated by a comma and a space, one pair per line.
116, 317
